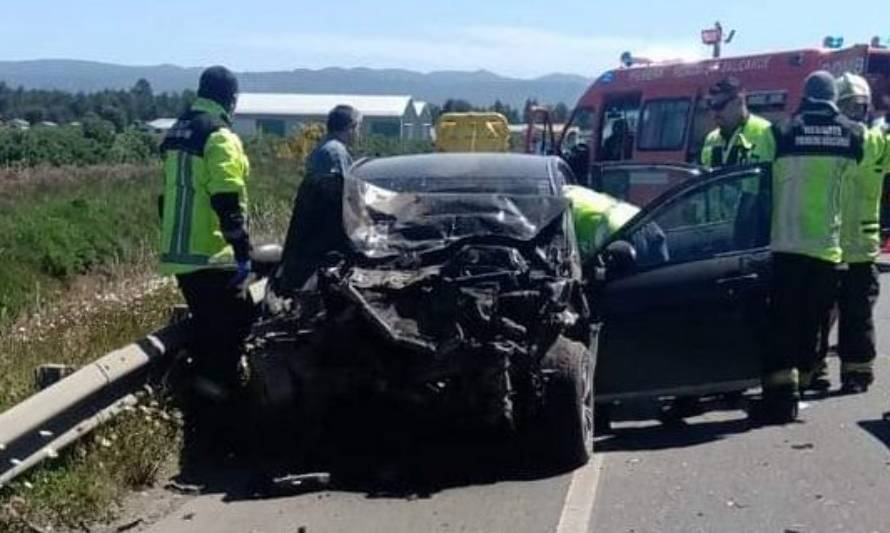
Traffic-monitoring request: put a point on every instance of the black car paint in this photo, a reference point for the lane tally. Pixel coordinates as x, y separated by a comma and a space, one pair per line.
691, 326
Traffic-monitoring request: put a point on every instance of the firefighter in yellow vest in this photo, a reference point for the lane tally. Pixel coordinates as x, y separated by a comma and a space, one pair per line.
740, 137
860, 242
596, 216
204, 238
815, 153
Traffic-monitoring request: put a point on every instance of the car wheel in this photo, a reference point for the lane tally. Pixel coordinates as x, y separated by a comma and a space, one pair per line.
567, 414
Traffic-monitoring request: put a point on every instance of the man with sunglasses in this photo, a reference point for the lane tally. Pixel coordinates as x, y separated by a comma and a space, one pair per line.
740, 137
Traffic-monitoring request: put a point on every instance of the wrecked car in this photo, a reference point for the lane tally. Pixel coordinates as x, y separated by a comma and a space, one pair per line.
459, 295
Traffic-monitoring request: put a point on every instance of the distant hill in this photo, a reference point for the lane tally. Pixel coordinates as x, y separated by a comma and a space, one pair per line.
480, 87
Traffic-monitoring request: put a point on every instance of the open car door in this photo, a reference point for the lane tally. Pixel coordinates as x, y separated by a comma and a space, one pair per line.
687, 316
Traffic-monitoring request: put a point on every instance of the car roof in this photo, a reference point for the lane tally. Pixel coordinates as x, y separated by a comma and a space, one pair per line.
456, 165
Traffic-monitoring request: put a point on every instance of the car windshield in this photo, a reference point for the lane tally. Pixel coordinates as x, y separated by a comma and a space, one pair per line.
482, 173
464, 184
384, 222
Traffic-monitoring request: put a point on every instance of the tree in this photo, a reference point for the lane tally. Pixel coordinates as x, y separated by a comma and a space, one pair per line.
143, 100
455, 105
560, 113
529, 102
505, 109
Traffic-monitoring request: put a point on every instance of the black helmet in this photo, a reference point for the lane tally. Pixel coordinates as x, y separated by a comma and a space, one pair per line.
220, 85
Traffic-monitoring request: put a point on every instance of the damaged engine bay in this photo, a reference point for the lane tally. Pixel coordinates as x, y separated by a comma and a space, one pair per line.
460, 306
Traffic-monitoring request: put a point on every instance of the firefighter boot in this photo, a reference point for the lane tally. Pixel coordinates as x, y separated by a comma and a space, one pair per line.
775, 409
815, 380
856, 382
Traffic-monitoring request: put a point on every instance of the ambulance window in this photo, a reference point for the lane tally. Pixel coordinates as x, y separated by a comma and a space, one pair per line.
663, 124
580, 129
621, 113
770, 105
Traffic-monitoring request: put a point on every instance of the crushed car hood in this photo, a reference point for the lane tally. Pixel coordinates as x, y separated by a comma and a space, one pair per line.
382, 223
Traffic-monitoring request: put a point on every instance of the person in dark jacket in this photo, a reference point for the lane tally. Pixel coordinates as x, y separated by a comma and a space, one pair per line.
316, 226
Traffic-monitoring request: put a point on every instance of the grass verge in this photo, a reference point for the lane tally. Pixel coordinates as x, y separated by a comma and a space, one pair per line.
82, 284
88, 481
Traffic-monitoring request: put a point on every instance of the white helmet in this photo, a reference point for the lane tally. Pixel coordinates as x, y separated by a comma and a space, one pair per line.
850, 85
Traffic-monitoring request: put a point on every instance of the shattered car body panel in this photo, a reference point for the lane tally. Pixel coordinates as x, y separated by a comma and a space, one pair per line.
448, 301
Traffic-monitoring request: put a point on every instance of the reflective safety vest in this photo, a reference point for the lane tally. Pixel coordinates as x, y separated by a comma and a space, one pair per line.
596, 217
752, 142
814, 153
202, 157
861, 228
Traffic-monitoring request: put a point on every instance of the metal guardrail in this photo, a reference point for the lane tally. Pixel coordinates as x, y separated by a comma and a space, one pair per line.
39, 427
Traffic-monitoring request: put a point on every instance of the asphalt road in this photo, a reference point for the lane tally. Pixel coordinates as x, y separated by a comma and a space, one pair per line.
830, 472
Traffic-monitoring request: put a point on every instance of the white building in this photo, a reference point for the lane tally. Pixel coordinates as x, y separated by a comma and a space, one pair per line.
281, 113
423, 127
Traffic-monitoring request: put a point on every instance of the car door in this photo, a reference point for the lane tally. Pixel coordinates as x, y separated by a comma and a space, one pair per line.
688, 315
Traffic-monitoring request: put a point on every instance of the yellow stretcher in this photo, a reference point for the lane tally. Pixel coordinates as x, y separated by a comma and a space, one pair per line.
472, 132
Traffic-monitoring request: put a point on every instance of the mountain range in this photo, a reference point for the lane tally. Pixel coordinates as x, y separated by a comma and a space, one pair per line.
480, 87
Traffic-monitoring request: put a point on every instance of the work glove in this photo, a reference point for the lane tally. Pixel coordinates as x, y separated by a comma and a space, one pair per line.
241, 276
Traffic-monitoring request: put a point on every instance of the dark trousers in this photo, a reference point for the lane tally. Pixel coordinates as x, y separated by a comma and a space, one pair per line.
858, 293
801, 295
222, 316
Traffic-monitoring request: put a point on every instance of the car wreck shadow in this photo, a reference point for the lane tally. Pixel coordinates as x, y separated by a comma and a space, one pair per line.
674, 435
663, 434
415, 463
879, 429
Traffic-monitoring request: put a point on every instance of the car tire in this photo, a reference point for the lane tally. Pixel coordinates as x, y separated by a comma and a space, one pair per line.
567, 414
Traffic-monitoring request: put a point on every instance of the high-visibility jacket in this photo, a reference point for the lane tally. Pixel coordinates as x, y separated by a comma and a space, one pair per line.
596, 216
814, 154
861, 207
202, 158
752, 142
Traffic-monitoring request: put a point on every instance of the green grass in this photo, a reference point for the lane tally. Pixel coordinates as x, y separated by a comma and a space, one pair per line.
86, 482
65, 240
50, 235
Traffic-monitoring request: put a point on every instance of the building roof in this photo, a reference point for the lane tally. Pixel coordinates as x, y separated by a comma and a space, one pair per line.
420, 107
290, 104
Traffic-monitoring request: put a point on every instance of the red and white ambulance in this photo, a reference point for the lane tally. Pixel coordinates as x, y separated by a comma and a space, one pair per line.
659, 111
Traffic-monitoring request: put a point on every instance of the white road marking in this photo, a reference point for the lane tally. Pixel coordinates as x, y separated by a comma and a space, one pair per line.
577, 511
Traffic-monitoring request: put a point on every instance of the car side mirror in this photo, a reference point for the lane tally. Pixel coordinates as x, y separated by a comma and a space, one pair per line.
620, 256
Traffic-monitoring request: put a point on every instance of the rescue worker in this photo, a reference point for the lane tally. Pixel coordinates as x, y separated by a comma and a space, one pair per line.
596, 216
740, 137
316, 226
619, 145
204, 238
815, 151
860, 242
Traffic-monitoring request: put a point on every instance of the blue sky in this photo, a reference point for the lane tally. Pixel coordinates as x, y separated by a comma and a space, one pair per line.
516, 38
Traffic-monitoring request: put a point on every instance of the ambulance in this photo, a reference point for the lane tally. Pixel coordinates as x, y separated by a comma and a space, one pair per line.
639, 129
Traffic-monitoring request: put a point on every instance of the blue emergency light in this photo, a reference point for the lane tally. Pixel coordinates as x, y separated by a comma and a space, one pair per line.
833, 42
